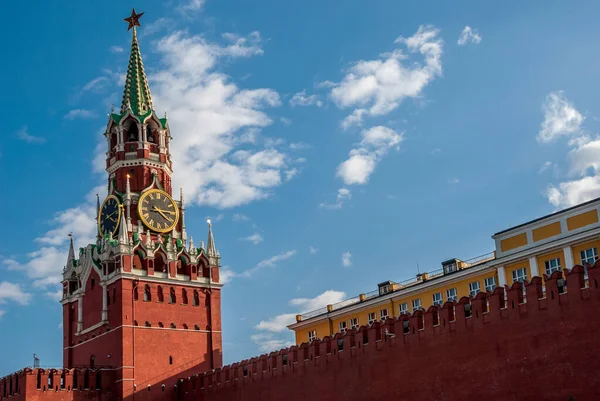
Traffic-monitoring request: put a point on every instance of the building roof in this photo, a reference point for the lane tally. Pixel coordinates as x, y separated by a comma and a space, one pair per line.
403, 285
548, 215
136, 93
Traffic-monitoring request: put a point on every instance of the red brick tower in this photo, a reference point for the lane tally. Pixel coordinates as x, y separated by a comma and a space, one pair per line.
142, 301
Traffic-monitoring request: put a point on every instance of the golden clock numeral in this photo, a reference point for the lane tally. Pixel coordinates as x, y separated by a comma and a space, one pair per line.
152, 196
157, 195
145, 209
158, 226
146, 216
151, 222
170, 205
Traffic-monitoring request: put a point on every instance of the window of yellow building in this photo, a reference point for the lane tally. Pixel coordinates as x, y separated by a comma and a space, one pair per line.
403, 308
490, 284
519, 275
452, 295
552, 265
474, 288
354, 323
372, 318
416, 304
589, 255
312, 335
438, 300
343, 327
383, 314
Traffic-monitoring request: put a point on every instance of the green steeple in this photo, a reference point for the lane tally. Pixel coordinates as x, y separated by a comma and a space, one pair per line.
137, 92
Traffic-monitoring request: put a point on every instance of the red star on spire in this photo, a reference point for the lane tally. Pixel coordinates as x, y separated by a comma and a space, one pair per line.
134, 19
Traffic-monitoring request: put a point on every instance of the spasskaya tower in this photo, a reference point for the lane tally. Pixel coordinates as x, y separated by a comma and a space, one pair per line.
143, 301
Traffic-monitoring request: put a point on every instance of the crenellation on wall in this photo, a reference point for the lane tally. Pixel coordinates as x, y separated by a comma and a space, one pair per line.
493, 310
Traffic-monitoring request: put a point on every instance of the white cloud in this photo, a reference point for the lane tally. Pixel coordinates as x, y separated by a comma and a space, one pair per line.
325, 84
469, 35
266, 263
13, 292
453, 181
312, 250
561, 118
377, 87
544, 167
347, 259
2, 312
363, 159
25, 136
343, 195
582, 182
44, 266
96, 84
571, 193
191, 5
279, 323
117, 49
207, 114
268, 342
79, 113
226, 275
299, 146
255, 238
285, 120
301, 99
239, 217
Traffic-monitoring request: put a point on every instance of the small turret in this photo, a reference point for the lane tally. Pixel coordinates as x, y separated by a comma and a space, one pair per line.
71, 256
211, 250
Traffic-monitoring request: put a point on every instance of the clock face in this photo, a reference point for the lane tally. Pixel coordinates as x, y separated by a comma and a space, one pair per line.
109, 216
158, 211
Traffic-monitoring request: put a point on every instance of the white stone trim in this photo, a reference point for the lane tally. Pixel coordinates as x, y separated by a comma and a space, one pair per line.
171, 281
91, 328
557, 217
139, 162
542, 248
501, 276
533, 267
568, 252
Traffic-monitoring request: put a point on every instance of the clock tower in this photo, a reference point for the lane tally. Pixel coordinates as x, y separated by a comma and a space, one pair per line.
143, 301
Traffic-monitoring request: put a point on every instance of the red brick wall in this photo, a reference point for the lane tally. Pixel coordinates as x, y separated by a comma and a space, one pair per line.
543, 349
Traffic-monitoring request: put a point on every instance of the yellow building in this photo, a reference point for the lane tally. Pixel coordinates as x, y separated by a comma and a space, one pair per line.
541, 246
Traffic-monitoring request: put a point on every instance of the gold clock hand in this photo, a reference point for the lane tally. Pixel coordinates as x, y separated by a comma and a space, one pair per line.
164, 211
162, 214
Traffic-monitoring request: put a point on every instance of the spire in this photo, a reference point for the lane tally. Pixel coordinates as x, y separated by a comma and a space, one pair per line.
210, 246
123, 240
71, 256
136, 94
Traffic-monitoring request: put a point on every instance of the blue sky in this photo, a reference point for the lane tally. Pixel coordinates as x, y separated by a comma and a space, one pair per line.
334, 146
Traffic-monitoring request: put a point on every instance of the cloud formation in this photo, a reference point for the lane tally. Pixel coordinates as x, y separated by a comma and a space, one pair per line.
561, 118
347, 259
377, 87
255, 238
211, 118
302, 99
469, 35
24, 135
273, 333
582, 180
363, 159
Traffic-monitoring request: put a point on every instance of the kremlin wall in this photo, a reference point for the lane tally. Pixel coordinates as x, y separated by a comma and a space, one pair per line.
539, 342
